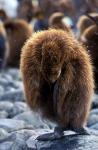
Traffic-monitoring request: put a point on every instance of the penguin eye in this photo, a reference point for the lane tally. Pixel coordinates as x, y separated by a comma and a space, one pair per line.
55, 60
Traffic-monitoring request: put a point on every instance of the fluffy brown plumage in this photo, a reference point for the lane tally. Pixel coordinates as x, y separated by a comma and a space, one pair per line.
56, 21
58, 77
84, 22
18, 31
90, 40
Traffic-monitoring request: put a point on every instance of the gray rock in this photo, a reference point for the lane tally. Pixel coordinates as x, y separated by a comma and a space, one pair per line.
3, 82
95, 126
26, 133
95, 101
95, 97
21, 137
7, 77
26, 140
18, 139
13, 96
10, 80
34, 119
1, 89
69, 142
15, 73
6, 81
94, 111
93, 119
19, 144
3, 133
6, 106
3, 114
10, 89
6, 146
14, 85
19, 107
13, 125
18, 85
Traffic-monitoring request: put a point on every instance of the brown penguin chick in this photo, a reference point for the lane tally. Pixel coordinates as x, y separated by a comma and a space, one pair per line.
18, 31
93, 5
84, 22
58, 79
90, 40
4, 47
56, 21
3, 15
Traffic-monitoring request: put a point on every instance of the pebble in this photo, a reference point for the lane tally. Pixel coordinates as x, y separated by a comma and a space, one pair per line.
95, 126
3, 133
93, 119
12, 96
13, 125
18, 108
6, 106
3, 114
94, 111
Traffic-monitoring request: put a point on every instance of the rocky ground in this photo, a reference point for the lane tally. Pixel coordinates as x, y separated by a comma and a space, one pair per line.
19, 127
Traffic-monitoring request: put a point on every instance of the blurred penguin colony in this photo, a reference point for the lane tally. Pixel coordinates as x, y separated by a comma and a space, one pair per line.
19, 19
